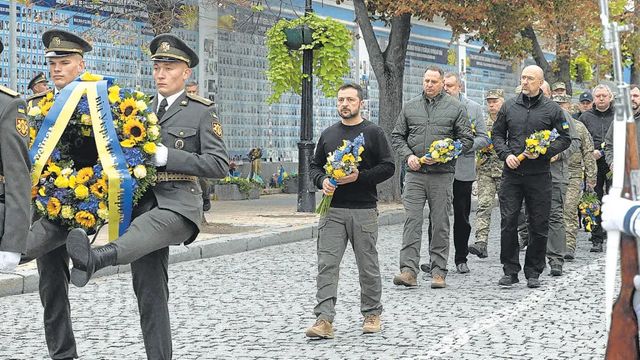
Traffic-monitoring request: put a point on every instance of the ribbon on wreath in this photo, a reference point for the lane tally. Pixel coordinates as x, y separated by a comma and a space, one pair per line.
120, 183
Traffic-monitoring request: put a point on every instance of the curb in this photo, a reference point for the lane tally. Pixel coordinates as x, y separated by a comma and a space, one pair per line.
27, 282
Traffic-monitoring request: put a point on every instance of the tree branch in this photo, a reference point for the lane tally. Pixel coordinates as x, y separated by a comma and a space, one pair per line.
396, 51
536, 49
376, 58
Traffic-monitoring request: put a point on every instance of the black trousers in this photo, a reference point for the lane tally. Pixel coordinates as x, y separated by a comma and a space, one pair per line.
602, 188
536, 192
461, 225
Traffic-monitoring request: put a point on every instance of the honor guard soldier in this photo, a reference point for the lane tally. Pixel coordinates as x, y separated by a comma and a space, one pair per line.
38, 84
170, 213
15, 183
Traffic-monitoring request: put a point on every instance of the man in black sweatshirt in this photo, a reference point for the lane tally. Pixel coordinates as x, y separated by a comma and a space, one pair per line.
598, 120
353, 214
529, 179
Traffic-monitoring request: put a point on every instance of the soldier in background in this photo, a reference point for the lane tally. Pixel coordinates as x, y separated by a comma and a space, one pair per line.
191, 88
15, 168
38, 84
489, 173
559, 88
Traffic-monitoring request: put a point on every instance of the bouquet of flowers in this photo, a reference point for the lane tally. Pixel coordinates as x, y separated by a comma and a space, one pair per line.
538, 142
341, 163
589, 209
482, 155
443, 151
78, 197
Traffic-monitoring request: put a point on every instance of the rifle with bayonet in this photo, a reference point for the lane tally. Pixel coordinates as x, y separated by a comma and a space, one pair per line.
621, 319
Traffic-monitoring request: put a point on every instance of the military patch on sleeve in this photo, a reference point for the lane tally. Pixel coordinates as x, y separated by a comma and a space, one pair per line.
217, 129
565, 125
21, 109
22, 126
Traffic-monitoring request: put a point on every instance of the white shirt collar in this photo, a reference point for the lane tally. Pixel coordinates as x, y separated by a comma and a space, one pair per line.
170, 99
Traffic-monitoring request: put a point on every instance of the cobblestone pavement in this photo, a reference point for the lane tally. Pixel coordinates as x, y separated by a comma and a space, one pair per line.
256, 305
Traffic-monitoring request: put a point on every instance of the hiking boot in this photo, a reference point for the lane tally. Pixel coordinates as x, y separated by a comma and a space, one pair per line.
597, 247
437, 282
371, 324
406, 278
570, 255
556, 270
533, 283
479, 249
321, 329
462, 268
507, 281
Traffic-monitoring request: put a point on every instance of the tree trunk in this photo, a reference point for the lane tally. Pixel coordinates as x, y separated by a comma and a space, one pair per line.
563, 61
388, 67
536, 50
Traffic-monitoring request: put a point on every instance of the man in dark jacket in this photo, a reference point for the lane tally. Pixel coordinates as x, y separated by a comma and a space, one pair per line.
431, 116
529, 179
597, 120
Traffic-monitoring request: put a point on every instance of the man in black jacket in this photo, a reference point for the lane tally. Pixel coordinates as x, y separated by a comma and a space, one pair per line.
529, 179
597, 120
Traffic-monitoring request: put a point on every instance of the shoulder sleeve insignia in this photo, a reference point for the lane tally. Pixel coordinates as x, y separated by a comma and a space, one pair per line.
22, 126
21, 109
217, 129
200, 99
8, 91
565, 125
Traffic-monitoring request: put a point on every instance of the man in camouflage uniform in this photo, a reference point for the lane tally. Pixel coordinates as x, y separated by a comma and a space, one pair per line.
579, 160
489, 173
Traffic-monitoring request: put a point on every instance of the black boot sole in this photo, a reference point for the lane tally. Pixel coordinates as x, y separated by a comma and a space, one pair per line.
79, 250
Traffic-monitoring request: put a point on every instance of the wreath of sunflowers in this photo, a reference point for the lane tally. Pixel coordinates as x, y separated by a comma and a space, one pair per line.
77, 197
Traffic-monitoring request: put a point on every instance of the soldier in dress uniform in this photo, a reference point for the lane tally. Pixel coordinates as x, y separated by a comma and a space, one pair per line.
15, 183
38, 84
171, 212
64, 52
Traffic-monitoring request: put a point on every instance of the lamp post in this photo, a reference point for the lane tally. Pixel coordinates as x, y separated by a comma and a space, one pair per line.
306, 190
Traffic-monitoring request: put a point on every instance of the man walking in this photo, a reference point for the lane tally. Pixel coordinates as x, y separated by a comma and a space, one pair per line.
489, 172
597, 120
170, 213
15, 166
353, 214
530, 179
431, 116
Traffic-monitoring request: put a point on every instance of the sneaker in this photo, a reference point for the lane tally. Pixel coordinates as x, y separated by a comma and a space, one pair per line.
533, 283
507, 280
437, 282
479, 249
321, 329
462, 268
371, 324
556, 270
406, 278
597, 247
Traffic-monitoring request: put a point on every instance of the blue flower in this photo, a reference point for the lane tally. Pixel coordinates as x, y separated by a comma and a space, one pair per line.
90, 204
83, 105
133, 156
61, 193
55, 155
97, 171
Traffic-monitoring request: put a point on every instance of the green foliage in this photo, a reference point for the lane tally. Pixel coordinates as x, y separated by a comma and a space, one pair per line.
581, 69
244, 185
332, 42
452, 57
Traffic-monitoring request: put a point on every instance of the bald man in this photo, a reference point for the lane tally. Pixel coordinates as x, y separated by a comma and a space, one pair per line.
529, 179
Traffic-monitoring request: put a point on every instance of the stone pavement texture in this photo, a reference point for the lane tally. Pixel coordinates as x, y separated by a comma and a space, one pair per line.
257, 304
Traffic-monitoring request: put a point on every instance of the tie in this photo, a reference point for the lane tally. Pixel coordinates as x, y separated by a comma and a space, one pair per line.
162, 109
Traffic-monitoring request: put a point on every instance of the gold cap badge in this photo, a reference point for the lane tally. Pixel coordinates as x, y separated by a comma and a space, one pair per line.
165, 46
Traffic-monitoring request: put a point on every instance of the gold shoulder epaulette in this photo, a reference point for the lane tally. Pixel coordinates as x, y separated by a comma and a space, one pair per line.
38, 95
200, 99
8, 91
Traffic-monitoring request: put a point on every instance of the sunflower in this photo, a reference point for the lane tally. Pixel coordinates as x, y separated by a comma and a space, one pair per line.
99, 189
128, 143
52, 169
128, 108
85, 219
53, 206
84, 175
45, 105
134, 129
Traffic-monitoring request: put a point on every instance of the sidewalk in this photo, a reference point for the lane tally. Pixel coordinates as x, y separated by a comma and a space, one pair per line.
232, 227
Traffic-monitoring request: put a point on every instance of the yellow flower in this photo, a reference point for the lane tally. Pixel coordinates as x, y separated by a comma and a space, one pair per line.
85, 219
99, 189
103, 211
81, 191
49, 95
360, 150
435, 155
114, 94
343, 146
128, 108
72, 181
153, 132
329, 169
34, 111
53, 207
152, 118
149, 148
54, 169
347, 158
134, 129
85, 119
339, 174
140, 171
128, 143
87, 76
141, 105
139, 95
61, 182
546, 134
39, 205
67, 212
32, 136
45, 104
84, 175
42, 191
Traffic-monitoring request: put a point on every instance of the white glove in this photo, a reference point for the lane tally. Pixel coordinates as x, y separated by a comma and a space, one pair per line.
614, 209
161, 155
9, 261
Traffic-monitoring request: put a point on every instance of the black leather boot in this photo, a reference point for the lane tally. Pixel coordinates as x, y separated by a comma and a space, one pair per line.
86, 261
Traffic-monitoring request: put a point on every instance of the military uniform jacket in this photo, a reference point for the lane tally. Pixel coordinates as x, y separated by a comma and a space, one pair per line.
584, 157
492, 166
15, 166
192, 133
